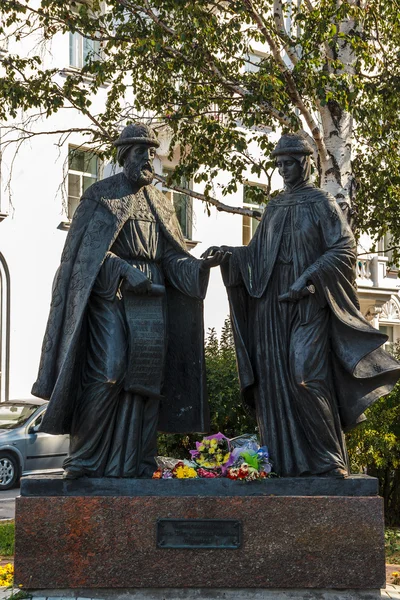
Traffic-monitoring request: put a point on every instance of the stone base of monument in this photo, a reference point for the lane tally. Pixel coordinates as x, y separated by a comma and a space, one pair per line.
208, 594
174, 539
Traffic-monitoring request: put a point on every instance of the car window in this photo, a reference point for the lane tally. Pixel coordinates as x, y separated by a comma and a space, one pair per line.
38, 420
15, 415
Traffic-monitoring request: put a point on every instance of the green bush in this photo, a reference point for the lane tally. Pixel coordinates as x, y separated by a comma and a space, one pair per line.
392, 545
374, 449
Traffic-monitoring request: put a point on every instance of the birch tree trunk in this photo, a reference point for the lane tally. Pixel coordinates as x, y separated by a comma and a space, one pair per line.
337, 125
335, 167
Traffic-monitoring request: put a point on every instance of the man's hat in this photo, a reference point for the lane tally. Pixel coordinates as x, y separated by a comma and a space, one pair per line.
292, 143
137, 133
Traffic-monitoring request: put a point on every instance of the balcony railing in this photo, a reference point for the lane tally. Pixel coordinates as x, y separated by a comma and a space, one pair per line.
373, 272
363, 269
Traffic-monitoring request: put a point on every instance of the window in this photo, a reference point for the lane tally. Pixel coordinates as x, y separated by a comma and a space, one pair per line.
183, 205
13, 415
389, 331
249, 227
383, 248
81, 49
249, 224
83, 170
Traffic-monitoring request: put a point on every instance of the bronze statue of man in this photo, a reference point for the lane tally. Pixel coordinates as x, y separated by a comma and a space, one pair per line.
309, 362
123, 352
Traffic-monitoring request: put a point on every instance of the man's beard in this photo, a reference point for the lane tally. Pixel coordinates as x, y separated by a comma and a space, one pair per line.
139, 175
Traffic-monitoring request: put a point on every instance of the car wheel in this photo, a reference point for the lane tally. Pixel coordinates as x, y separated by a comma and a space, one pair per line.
9, 471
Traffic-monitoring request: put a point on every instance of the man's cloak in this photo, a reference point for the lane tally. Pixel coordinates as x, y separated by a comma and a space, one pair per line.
99, 218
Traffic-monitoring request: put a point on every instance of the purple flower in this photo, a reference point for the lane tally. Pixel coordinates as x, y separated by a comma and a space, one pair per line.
217, 436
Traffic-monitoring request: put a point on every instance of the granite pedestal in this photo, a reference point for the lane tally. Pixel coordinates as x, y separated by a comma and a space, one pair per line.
278, 534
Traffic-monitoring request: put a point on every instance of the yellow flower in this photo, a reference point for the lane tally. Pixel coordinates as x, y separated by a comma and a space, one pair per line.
6, 575
185, 472
213, 442
201, 448
226, 457
191, 473
211, 451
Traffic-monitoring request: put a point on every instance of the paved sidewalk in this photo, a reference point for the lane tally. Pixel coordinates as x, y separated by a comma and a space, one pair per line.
391, 592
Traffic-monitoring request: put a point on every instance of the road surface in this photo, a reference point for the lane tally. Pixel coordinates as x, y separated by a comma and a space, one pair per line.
7, 503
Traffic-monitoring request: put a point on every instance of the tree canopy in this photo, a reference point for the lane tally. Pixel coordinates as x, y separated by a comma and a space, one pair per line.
220, 74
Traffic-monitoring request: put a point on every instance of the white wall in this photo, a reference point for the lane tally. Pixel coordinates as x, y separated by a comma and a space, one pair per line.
30, 238
215, 230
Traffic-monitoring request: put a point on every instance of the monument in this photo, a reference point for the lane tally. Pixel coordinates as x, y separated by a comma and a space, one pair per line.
309, 362
124, 351
125, 329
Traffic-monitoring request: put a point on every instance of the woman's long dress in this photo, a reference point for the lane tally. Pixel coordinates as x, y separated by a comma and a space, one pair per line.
296, 406
284, 348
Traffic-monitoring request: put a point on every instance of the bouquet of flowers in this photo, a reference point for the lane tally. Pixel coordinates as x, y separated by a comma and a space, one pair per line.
216, 456
181, 470
213, 452
249, 460
245, 473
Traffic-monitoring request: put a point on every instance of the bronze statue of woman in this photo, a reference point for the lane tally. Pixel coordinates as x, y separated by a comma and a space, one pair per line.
309, 362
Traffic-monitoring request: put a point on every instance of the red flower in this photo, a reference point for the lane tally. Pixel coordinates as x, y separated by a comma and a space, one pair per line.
178, 464
207, 474
243, 471
157, 474
232, 474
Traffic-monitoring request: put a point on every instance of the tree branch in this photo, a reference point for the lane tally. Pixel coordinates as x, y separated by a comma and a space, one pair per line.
281, 117
328, 49
220, 206
146, 9
282, 31
26, 134
86, 113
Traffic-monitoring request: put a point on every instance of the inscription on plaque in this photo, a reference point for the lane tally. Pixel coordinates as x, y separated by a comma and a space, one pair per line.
199, 533
145, 321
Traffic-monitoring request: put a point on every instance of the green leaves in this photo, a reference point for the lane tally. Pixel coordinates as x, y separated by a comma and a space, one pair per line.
191, 65
227, 412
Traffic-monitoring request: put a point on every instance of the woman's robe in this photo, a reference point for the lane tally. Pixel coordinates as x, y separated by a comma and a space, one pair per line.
310, 368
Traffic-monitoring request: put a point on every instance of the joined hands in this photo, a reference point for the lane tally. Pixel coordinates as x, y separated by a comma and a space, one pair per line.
214, 256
